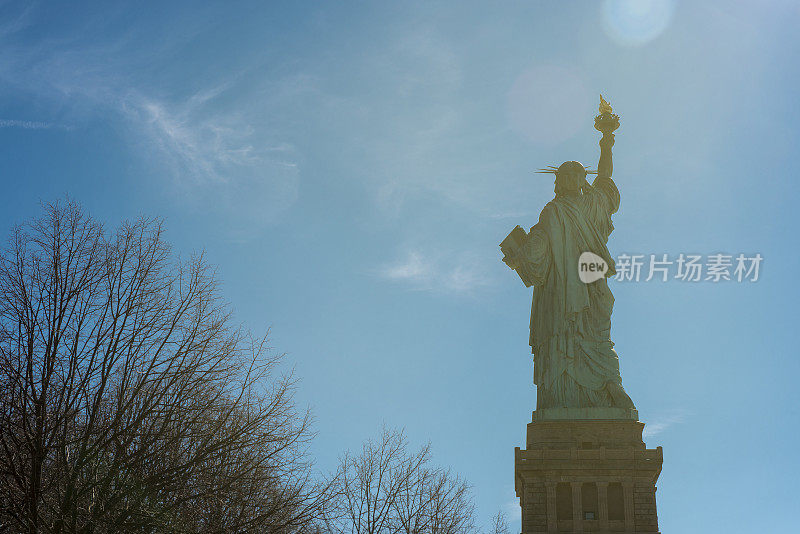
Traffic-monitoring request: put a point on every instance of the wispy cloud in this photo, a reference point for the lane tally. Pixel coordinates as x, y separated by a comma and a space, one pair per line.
211, 153
412, 268
204, 145
662, 423
17, 21
219, 161
463, 278
447, 273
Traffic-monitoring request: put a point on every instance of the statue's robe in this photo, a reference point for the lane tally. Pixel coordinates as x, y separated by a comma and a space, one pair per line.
575, 364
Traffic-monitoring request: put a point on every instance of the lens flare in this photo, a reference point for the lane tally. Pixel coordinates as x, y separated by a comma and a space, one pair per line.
636, 22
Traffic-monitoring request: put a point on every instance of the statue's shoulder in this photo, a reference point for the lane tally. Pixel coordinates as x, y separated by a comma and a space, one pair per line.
547, 217
550, 210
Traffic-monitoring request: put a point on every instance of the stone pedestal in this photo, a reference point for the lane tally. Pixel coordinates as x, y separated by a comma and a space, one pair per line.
590, 475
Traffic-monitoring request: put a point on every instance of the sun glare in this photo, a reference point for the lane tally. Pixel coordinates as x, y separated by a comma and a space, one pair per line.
636, 22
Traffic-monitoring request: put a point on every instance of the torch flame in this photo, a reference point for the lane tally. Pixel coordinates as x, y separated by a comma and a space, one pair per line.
605, 107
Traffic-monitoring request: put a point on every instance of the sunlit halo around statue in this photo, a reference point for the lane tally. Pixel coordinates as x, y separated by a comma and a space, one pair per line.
576, 369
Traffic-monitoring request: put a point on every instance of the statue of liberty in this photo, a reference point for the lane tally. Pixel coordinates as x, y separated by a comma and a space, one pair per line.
575, 365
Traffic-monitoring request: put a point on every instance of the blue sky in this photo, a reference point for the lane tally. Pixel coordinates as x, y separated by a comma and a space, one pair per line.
351, 167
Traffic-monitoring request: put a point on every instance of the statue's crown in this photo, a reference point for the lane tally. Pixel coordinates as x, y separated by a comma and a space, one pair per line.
550, 169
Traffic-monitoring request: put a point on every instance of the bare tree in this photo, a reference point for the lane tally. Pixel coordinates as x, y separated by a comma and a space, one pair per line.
449, 507
387, 489
127, 399
499, 524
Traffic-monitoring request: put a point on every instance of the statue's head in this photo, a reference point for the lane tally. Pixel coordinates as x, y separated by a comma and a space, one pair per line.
570, 178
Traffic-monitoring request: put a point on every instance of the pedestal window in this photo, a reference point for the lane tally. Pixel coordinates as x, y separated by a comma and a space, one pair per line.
589, 500
616, 502
564, 501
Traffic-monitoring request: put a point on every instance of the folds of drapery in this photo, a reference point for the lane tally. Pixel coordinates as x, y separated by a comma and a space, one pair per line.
571, 321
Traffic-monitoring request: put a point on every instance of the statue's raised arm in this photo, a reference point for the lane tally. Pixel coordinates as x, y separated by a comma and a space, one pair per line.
606, 122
